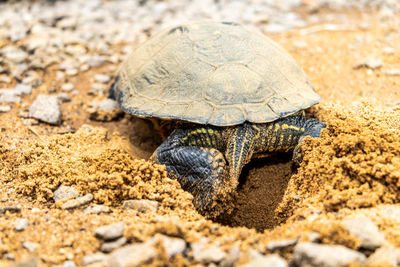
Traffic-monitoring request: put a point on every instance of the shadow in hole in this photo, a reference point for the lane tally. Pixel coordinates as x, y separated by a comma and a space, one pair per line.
262, 184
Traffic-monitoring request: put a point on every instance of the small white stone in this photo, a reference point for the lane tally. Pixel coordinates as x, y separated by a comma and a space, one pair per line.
21, 224
67, 87
365, 230
5, 109
102, 78
110, 232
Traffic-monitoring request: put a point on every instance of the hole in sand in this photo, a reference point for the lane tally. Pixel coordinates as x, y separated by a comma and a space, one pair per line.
262, 184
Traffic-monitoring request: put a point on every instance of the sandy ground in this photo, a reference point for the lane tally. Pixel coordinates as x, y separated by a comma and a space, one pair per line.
352, 170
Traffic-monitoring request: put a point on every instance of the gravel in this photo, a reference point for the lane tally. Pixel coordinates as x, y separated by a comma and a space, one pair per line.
132, 255
21, 224
96, 209
64, 192
281, 244
310, 254
142, 205
77, 202
46, 108
172, 245
102, 78
112, 245
30, 246
12, 208
366, 231
110, 232
207, 254
5, 109
96, 257
258, 260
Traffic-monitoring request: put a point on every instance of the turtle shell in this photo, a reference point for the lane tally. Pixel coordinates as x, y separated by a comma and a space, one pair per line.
218, 73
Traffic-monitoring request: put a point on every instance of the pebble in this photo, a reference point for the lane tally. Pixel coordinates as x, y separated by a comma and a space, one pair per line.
97, 88
388, 50
172, 245
112, 245
384, 256
110, 232
64, 192
10, 257
5, 79
97, 209
310, 254
64, 98
96, 257
370, 63
108, 104
46, 108
5, 109
14, 54
9, 96
392, 72
207, 254
142, 205
67, 87
232, 257
364, 229
101, 78
23, 88
133, 255
258, 260
12, 208
77, 202
96, 61
68, 264
30, 262
30, 246
277, 245
71, 72
21, 224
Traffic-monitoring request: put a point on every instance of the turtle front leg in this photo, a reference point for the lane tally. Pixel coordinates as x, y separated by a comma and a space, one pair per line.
289, 133
190, 156
312, 128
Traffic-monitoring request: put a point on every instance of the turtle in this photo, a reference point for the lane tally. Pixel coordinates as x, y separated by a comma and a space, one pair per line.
235, 93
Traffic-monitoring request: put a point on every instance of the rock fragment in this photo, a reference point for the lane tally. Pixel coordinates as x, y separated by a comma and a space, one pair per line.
112, 245
23, 88
370, 63
67, 87
11, 208
46, 108
101, 78
172, 245
133, 255
9, 96
384, 256
96, 257
281, 244
5, 109
97, 209
365, 230
64, 192
77, 202
142, 205
258, 260
21, 224
30, 246
110, 232
393, 72
310, 254
207, 254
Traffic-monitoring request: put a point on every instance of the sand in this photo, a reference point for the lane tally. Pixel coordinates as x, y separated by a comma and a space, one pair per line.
352, 169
